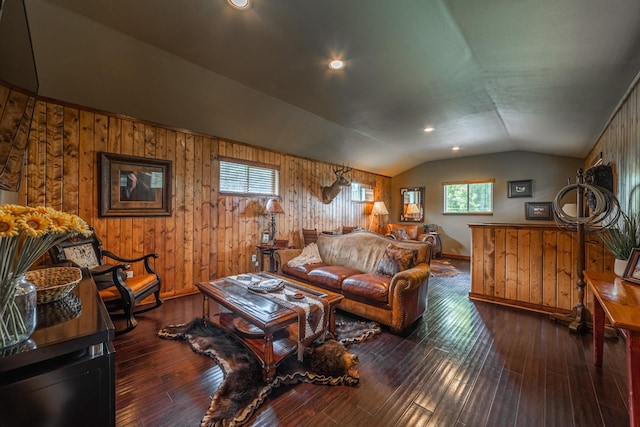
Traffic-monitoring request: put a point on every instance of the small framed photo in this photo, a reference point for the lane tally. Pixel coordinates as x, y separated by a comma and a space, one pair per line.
521, 188
538, 210
632, 273
265, 238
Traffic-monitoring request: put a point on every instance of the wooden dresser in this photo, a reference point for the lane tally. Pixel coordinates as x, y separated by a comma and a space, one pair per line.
65, 374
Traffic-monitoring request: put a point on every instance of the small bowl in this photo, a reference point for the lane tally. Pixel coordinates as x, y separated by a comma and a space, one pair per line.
298, 296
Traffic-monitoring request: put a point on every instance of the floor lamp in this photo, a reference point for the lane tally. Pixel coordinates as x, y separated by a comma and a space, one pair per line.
379, 209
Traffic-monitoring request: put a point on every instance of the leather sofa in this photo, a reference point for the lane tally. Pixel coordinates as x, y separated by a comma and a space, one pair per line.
351, 265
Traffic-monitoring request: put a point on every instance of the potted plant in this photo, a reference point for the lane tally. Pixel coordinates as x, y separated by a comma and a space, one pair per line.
621, 239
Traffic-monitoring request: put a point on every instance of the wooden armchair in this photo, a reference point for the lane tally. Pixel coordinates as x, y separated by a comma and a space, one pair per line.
121, 294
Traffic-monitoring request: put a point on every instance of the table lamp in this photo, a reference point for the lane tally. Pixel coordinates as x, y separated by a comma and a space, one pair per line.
273, 207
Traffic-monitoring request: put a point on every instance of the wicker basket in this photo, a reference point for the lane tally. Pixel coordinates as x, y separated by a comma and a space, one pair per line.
60, 311
54, 283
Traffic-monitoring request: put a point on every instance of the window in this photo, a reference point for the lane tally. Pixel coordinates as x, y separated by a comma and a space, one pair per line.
361, 192
468, 197
239, 177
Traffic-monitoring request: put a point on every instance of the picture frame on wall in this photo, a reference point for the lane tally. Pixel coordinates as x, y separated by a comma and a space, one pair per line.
522, 188
632, 272
538, 210
134, 186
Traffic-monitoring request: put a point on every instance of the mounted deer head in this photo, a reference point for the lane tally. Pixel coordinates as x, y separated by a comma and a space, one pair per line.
329, 193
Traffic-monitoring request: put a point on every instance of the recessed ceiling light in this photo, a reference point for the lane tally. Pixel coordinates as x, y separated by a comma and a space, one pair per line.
429, 129
240, 4
336, 64
456, 148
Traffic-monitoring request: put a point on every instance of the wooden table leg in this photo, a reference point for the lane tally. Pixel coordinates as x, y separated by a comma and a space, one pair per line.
269, 370
633, 374
205, 307
598, 332
332, 321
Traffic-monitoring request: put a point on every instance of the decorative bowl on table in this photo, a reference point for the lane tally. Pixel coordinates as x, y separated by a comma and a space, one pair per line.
54, 283
269, 285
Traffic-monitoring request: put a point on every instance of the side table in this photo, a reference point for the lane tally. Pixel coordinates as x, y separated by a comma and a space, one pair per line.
617, 300
270, 250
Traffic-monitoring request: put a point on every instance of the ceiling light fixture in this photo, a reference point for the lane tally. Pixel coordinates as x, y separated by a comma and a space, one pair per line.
429, 129
456, 148
240, 4
336, 64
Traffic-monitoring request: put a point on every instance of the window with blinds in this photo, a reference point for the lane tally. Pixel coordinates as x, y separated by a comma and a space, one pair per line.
246, 178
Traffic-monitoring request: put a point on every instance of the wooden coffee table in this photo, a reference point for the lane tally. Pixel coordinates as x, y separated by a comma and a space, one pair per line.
268, 329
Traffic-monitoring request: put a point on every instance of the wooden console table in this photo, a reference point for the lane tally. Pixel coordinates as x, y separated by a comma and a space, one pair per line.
65, 374
619, 301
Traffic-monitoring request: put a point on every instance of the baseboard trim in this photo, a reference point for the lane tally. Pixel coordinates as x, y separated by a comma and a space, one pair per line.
517, 304
456, 256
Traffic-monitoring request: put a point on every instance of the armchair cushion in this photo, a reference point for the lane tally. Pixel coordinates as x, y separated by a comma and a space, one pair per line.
410, 229
400, 234
135, 283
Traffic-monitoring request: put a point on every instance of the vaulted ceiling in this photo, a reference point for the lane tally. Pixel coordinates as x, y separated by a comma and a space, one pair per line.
490, 75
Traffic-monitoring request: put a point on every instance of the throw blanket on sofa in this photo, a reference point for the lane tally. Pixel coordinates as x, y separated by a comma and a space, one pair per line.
309, 255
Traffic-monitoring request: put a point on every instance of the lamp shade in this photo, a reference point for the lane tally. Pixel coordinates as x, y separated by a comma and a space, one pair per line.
413, 209
274, 207
379, 208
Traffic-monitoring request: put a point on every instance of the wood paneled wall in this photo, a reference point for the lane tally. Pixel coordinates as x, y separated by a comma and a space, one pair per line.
619, 145
531, 266
208, 235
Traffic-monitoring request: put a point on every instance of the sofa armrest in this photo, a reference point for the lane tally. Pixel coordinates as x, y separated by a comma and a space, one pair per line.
283, 256
413, 277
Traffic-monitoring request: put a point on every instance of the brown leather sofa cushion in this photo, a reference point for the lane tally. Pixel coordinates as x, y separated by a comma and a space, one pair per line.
331, 276
301, 271
367, 287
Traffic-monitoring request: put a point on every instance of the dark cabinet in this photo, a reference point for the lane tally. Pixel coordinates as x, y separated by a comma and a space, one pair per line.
65, 374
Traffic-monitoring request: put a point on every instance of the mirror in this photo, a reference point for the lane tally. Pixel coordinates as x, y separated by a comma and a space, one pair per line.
18, 87
412, 200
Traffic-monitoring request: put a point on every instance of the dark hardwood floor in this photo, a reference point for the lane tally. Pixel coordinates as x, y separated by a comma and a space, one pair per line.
466, 364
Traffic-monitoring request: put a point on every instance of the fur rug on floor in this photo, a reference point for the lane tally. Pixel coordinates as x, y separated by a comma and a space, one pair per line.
243, 390
443, 268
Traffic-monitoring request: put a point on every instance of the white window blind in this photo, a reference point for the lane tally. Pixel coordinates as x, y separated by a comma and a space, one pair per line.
243, 178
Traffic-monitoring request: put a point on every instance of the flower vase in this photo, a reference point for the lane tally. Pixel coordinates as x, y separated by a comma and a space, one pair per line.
17, 312
619, 266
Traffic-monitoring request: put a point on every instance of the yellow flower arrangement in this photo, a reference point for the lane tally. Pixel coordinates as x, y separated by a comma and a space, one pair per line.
26, 234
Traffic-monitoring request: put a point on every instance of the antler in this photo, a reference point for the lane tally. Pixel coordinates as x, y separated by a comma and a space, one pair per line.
339, 171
